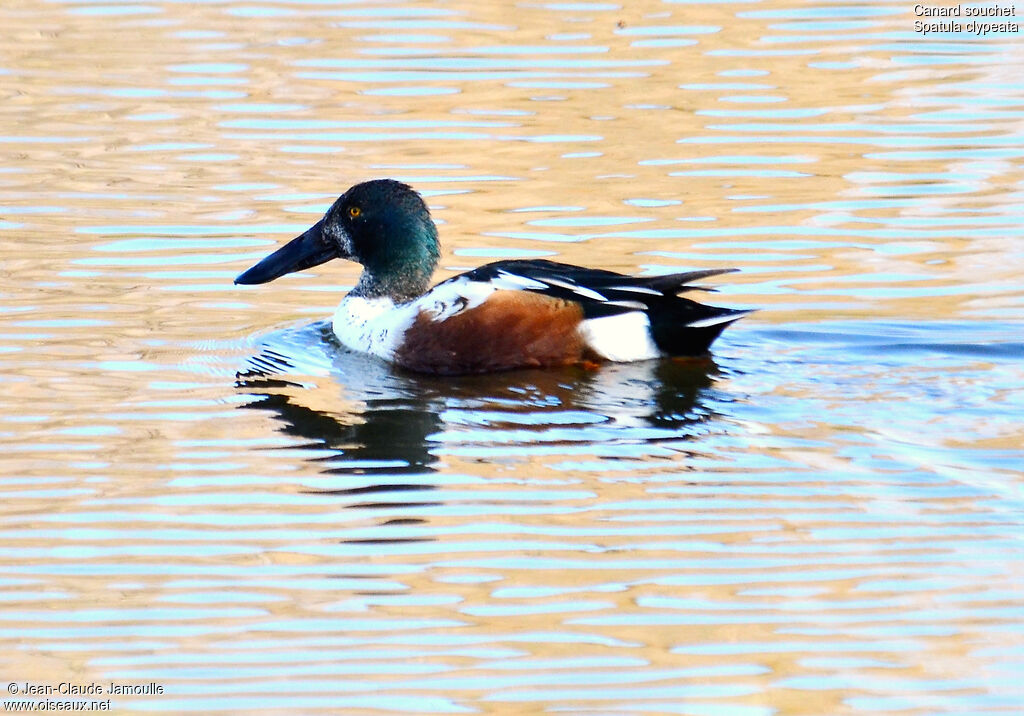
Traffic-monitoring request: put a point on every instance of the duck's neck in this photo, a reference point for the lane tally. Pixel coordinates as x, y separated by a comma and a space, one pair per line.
398, 287
401, 278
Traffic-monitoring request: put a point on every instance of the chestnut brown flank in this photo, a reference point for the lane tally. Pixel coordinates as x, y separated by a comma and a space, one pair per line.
511, 329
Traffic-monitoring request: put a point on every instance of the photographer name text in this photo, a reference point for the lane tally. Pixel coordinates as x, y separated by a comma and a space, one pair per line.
68, 689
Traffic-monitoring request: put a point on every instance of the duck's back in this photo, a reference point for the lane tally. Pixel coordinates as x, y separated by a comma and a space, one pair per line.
515, 314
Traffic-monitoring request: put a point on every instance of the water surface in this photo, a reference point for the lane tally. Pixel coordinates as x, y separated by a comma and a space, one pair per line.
200, 490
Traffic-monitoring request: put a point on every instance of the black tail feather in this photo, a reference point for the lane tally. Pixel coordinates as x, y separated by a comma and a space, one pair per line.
674, 283
681, 327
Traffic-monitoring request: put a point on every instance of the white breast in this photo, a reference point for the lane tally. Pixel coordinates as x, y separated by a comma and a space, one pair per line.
372, 325
378, 325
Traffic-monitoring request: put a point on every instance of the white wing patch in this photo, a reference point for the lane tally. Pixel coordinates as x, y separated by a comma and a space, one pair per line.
576, 288
450, 298
715, 320
454, 296
622, 337
639, 289
514, 282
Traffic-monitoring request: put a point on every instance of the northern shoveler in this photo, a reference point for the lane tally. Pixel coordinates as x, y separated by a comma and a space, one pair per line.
504, 315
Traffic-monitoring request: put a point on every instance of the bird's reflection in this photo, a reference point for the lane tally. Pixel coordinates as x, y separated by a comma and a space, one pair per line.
377, 420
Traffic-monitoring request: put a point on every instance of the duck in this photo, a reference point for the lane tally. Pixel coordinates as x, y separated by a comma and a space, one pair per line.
505, 315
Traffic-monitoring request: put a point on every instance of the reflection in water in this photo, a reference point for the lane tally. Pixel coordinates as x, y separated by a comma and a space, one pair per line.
387, 429
379, 420
385, 425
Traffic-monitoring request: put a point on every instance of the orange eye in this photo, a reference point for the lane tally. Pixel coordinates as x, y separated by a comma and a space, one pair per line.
354, 211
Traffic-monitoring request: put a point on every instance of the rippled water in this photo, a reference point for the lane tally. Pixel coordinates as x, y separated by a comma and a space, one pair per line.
201, 491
